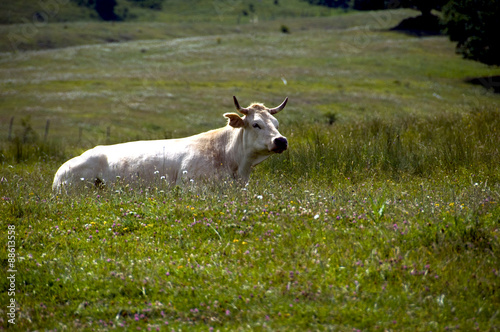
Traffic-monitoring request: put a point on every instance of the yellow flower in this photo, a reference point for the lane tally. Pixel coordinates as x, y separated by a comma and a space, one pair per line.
236, 240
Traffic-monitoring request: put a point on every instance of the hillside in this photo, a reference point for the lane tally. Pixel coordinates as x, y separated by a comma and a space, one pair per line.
171, 11
346, 65
70, 25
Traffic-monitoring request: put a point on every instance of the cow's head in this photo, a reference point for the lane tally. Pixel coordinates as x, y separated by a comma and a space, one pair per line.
260, 127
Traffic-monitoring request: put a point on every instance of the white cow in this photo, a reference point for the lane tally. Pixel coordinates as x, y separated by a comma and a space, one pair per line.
230, 151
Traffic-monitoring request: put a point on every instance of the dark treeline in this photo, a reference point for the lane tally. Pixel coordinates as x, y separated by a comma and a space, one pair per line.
106, 9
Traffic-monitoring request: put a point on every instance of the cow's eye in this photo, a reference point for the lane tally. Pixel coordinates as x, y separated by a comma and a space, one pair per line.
256, 125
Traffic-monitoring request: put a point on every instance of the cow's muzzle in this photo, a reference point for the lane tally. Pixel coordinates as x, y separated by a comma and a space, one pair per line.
280, 144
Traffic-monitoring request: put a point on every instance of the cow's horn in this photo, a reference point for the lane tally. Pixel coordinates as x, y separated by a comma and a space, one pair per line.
279, 108
238, 107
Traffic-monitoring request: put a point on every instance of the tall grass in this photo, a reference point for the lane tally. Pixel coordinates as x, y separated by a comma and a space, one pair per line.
394, 147
402, 146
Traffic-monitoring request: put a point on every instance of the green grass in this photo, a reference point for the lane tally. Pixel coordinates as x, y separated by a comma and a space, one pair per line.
382, 215
289, 251
66, 24
216, 11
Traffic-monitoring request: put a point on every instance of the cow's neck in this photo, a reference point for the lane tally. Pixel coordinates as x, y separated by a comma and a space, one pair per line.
235, 159
241, 158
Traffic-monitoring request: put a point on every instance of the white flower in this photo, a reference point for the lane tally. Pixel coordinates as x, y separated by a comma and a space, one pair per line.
316, 216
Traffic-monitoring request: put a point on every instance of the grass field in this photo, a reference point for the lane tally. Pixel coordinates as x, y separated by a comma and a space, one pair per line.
382, 215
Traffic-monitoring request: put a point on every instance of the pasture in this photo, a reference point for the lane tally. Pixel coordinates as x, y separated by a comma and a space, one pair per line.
382, 214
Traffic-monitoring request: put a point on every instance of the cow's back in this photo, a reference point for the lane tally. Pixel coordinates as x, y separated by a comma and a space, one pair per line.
139, 160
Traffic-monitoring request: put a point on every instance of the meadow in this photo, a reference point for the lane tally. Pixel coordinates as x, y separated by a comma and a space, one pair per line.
382, 214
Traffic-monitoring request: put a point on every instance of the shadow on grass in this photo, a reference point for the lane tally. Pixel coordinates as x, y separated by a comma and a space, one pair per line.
420, 26
491, 83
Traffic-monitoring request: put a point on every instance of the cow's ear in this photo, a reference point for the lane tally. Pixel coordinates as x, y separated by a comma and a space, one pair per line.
234, 120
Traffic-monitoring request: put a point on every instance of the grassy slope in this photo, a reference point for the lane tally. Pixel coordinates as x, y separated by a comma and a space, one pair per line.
172, 11
386, 219
177, 18
354, 74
